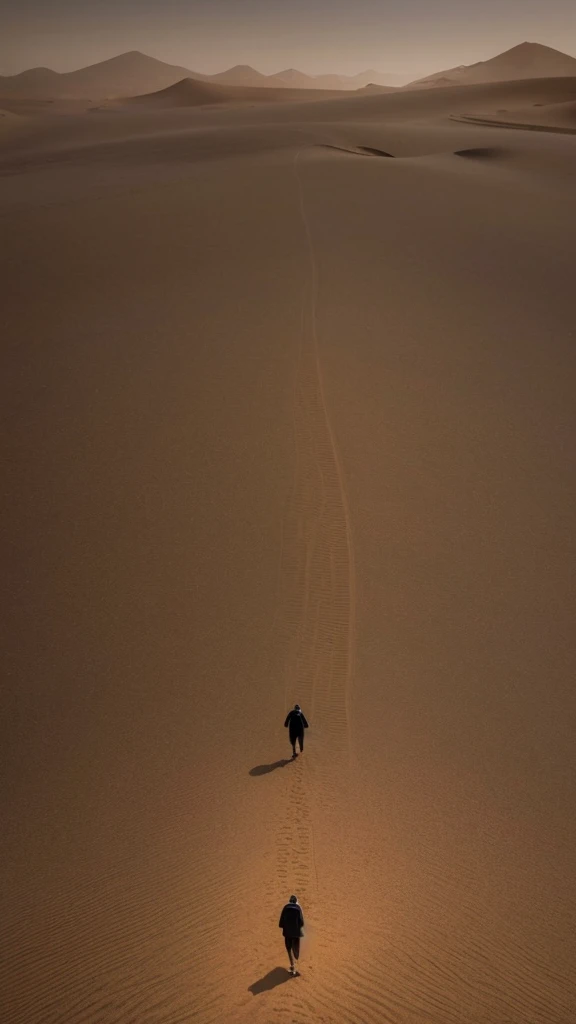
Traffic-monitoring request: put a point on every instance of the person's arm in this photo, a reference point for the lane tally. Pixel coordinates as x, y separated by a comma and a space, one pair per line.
304, 722
301, 921
281, 921
288, 716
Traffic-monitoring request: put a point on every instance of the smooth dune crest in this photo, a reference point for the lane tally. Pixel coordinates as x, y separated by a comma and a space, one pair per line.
526, 60
190, 93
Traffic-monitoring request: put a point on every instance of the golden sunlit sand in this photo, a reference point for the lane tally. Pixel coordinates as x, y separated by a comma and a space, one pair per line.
286, 420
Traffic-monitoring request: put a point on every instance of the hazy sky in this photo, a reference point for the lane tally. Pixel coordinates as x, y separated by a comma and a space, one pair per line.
402, 36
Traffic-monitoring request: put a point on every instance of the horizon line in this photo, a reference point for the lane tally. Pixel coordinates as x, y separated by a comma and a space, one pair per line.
308, 74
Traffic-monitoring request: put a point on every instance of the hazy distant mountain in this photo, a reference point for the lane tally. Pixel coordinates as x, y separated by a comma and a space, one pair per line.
527, 60
129, 73
125, 75
134, 73
297, 79
35, 76
291, 77
240, 74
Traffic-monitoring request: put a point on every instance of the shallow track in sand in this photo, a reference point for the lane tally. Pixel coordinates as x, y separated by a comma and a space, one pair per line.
316, 604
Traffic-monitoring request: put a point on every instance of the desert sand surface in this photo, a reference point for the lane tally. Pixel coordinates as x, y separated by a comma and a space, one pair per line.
289, 420
551, 117
7, 117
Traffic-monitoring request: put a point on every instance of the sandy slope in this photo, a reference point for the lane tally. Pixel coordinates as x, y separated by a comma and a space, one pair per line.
189, 93
285, 422
552, 117
8, 117
526, 60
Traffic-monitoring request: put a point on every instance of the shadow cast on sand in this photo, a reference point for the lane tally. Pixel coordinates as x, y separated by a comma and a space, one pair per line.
357, 150
276, 977
479, 152
263, 769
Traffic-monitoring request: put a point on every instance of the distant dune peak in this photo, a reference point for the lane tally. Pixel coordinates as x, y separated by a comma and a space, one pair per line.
131, 55
526, 47
39, 71
292, 75
240, 74
244, 68
40, 74
123, 58
530, 51
525, 60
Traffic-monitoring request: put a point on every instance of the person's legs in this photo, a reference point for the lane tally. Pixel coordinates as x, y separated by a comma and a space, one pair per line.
293, 742
288, 943
296, 947
301, 742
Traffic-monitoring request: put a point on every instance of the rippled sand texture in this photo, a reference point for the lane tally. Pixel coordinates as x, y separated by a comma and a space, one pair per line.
288, 416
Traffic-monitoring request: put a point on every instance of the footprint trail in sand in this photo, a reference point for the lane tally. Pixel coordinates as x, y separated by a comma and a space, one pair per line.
316, 620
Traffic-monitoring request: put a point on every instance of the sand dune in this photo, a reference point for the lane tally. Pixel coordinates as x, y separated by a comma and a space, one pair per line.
189, 93
425, 105
495, 95
332, 109
373, 89
527, 60
240, 74
288, 419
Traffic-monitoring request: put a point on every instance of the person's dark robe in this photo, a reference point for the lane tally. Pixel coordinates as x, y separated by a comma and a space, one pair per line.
292, 921
296, 723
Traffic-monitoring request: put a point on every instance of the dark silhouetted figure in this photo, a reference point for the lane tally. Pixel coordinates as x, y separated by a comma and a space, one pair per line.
292, 922
296, 723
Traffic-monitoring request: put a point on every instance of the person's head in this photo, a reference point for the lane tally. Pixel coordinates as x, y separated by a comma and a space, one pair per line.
293, 899
296, 707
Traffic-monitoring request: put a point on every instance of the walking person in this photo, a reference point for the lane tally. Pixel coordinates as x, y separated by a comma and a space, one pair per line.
292, 923
296, 723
